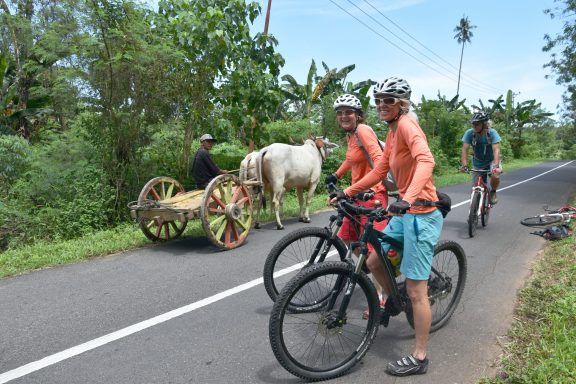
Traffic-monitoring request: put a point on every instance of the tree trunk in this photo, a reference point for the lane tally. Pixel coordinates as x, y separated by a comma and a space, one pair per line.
460, 70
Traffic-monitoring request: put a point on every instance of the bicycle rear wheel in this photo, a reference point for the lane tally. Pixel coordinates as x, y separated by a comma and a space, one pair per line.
295, 250
446, 283
541, 220
473, 214
485, 212
321, 345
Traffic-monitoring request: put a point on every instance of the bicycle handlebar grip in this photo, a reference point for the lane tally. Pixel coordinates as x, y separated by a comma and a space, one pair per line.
365, 196
331, 187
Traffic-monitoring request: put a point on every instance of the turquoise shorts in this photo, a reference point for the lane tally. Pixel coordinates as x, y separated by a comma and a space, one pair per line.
419, 234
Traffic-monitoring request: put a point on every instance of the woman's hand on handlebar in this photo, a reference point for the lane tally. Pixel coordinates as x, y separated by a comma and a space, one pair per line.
336, 195
331, 179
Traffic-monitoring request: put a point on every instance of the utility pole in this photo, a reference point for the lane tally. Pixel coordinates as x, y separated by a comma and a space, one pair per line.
267, 17
266, 22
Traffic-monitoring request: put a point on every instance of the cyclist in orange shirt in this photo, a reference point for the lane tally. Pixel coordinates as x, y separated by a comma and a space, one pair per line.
363, 151
408, 155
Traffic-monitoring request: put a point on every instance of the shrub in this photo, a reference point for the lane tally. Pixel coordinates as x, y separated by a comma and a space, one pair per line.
289, 131
14, 159
63, 194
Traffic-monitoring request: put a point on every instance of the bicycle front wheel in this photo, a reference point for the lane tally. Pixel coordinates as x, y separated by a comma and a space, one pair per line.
485, 213
328, 342
473, 214
295, 250
446, 283
541, 220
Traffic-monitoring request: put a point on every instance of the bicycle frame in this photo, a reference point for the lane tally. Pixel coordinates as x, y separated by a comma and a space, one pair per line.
369, 235
479, 201
480, 186
334, 225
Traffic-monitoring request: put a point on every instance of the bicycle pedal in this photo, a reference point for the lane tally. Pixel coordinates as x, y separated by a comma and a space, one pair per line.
384, 318
390, 309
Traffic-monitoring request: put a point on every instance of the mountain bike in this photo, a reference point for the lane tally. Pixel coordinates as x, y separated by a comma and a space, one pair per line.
306, 246
479, 201
555, 223
327, 336
551, 217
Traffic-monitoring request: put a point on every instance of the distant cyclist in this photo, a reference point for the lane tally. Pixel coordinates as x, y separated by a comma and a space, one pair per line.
485, 142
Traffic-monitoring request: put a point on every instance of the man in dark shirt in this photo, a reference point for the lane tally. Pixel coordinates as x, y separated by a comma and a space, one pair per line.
203, 168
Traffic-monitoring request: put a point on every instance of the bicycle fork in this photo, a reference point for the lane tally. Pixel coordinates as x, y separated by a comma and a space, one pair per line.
323, 246
480, 190
345, 284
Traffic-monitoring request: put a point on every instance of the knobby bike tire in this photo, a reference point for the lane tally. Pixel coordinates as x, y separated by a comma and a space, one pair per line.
294, 248
446, 283
541, 220
308, 345
473, 214
485, 213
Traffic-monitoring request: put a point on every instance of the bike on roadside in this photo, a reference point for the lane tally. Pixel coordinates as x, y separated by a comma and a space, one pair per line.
555, 222
480, 205
316, 327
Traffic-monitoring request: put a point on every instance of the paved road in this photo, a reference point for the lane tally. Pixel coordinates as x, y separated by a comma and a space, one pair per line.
185, 312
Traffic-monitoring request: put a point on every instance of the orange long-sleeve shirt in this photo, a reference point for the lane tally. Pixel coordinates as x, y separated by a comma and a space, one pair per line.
408, 156
356, 158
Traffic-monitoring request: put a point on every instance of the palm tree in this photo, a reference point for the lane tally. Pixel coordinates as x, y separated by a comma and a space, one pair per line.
463, 35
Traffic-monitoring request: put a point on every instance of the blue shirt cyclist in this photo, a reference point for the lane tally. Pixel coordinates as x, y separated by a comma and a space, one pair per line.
485, 143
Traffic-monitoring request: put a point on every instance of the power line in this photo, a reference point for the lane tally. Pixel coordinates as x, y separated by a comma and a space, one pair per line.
429, 50
484, 89
399, 37
389, 41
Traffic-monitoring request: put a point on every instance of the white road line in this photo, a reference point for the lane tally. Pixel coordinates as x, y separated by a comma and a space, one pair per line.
103, 340
518, 183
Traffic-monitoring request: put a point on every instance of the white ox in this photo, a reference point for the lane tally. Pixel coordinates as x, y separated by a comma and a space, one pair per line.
248, 167
281, 167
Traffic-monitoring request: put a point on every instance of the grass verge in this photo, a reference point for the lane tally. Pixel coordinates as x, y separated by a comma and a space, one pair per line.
541, 340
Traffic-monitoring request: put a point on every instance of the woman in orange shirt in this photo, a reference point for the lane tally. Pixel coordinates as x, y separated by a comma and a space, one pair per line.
408, 155
363, 151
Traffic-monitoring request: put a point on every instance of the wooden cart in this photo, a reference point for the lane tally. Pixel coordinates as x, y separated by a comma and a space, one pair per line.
225, 208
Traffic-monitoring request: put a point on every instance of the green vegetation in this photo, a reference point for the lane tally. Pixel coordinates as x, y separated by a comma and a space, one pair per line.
540, 347
97, 98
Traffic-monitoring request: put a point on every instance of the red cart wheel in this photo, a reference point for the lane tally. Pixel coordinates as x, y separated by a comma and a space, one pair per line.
226, 211
157, 189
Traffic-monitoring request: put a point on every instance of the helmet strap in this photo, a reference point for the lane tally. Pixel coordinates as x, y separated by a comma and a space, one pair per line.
351, 131
400, 113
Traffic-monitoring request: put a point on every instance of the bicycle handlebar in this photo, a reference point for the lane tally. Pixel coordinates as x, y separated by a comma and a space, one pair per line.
469, 170
378, 213
363, 196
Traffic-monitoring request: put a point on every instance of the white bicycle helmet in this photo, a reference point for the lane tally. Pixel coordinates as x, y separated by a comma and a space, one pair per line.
393, 86
348, 100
